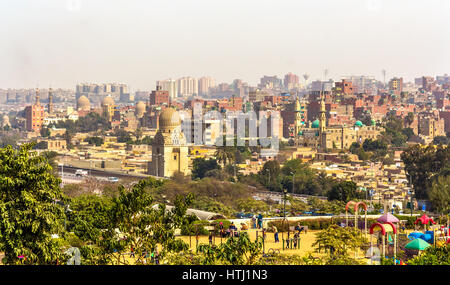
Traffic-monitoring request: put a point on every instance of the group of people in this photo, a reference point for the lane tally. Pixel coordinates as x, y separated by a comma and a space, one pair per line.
298, 230
257, 221
232, 230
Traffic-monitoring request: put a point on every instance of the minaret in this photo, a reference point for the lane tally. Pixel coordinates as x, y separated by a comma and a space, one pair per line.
322, 120
298, 119
50, 100
37, 97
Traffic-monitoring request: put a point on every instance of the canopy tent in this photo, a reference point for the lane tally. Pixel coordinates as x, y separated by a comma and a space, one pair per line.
388, 218
418, 244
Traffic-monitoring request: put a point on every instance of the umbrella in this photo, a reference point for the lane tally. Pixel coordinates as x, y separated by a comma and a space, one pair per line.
388, 218
418, 244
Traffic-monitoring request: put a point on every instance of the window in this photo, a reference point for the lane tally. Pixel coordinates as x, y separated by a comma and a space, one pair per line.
174, 157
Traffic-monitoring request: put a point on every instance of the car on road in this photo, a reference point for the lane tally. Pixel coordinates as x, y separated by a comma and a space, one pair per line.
81, 173
113, 179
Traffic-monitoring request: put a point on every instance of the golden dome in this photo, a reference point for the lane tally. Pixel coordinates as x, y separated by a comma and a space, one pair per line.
140, 109
169, 119
83, 103
107, 101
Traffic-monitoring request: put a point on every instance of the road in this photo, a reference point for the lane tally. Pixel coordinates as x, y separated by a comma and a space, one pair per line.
102, 173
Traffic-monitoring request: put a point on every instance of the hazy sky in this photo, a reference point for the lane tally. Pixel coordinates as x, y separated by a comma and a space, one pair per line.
63, 42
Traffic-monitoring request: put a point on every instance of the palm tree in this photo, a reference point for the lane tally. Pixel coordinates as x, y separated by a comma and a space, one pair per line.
224, 155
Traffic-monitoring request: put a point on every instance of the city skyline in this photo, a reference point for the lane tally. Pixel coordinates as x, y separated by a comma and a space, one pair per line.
62, 43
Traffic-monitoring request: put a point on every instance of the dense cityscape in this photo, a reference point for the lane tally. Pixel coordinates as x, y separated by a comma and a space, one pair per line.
145, 143
328, 142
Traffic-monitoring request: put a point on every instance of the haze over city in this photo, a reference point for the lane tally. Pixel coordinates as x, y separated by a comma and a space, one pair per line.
61, 43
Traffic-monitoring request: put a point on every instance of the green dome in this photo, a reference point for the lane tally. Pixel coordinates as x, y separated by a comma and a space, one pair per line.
300, 133
373, 122
315, 124
358, 124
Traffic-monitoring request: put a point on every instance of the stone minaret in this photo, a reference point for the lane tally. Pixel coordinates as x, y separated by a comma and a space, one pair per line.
50, 100
322, 120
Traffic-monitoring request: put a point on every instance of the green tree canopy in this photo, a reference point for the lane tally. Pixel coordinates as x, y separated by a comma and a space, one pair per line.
200, 166
345, 191
28, 209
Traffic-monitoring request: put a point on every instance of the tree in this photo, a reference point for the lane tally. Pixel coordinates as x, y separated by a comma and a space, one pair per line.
123, 136
235, 251
440, 140
433, 256
345, 191
41, 145
98, 141
90, 215
135, 223
8, 139
422, 164
269, 172
45, 132
224, 154
338, 240
409, 119
393, 131
440, 194
28, 209
200, 166
408, 132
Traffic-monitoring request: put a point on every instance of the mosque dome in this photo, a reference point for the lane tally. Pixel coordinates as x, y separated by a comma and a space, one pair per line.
169, 119
315, 124
140, 109
373, 122
107, 101
358, 124
83, 103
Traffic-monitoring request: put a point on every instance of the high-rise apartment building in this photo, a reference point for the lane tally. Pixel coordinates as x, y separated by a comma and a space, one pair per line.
291, 81
204, 84
95, 92
396, 86
270, 82
187, 86
169, 85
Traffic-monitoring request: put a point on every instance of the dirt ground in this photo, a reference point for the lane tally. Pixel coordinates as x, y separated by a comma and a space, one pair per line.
306, 241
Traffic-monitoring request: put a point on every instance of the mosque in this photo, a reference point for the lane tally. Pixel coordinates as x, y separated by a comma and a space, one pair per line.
169, 148
322, 137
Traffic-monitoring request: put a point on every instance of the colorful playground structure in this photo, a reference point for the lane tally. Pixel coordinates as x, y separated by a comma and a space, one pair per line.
355, 206
386, 230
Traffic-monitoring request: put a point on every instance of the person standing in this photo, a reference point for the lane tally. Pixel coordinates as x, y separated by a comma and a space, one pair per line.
275, 234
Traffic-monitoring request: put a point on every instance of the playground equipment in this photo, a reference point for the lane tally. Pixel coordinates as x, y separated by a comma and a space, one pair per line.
418, 244
356, 206
424, 220
384, 229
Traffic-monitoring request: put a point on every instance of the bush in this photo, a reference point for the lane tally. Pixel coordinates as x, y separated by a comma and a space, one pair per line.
196, 227
409, 220
226, 225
